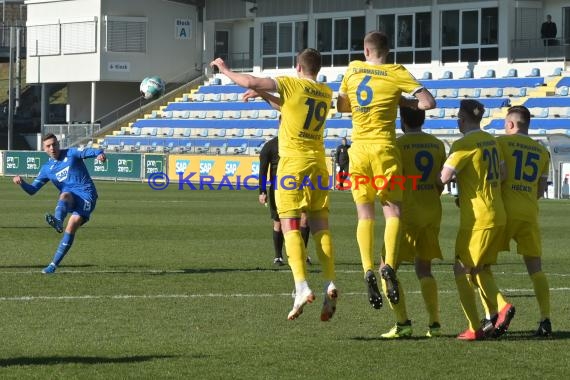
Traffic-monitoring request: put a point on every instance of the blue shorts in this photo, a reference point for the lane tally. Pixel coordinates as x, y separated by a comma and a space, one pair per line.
82, 207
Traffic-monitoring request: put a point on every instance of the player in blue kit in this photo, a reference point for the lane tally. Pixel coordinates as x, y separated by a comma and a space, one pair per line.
78, 196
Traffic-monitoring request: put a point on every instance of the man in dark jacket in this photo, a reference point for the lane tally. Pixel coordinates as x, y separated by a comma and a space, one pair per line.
341, 159
548, 31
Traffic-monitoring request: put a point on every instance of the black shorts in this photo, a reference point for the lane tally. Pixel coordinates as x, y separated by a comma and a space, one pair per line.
272, 205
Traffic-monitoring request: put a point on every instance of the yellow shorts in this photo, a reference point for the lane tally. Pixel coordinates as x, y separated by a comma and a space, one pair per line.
420, 242
302, 185
526, 235
479, 247
375, 170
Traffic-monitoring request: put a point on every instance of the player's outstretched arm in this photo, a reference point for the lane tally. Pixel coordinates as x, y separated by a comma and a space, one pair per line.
31, 189
245, 80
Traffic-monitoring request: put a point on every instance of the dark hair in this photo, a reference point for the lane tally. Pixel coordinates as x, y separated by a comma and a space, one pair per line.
49, 136
523, 113
377, 40
310, 61
413, 118
472, 110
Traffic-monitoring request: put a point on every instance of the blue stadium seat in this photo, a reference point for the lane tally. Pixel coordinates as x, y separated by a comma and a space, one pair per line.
468, 74
447, 75
562, 91
216, 81
321, 78
339, 78
489, 74
427, 75
204, 148
241, 149
512, 73
557, 72
535, 72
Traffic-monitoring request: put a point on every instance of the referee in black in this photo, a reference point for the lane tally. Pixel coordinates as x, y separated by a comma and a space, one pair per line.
341, 159
268, 160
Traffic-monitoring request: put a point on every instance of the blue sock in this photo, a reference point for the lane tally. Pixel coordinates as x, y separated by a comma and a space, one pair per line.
63, 247
61, 210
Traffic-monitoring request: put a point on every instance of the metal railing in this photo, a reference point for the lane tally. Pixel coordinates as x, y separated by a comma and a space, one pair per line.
238, 61
68, 134
5, 36
80, 133
538, 49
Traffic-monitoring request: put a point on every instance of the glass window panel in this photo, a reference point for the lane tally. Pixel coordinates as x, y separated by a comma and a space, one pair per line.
285, 62
405, 57
357, 56
269, 38
341, 34
326, 60
386, 24
300, 36
490, 54
470, 55
470, 27
423, 56
449, 55
450, 28
285, 37
390, 57
269, 63
489, 25
324, 35
405, 31
423, 30
357, 32
340, 60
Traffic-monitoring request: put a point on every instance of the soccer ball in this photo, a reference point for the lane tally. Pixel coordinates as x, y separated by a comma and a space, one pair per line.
152, 87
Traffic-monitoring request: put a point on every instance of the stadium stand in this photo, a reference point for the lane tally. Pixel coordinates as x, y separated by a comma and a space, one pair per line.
212, 119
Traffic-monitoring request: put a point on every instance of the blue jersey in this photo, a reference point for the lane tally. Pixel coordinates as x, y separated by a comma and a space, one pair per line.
68, 173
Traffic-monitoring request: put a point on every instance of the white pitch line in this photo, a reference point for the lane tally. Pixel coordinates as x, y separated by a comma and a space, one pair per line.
206, 295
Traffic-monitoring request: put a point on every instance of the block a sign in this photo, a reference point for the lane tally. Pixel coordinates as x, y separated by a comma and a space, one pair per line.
182, 29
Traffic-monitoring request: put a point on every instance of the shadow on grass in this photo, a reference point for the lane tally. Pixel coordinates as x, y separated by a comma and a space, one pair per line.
43, 266
54, 360
510, 336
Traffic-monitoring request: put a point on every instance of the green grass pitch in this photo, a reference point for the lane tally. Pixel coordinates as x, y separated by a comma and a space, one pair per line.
180, 284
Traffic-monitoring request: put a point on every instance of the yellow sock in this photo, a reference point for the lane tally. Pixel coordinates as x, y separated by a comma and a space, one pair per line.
325, 252
489, 304
489, 307
490, 290
467, 298
392, 240
542, 293
429, 293
295, 247
365, 238
400, 307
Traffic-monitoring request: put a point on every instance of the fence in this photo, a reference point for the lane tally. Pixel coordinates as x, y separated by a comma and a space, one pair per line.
526, 50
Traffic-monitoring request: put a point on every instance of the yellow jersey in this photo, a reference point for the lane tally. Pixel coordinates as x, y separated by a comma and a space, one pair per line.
423, 156
374, 92
305, 106
476, 159
526, 161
